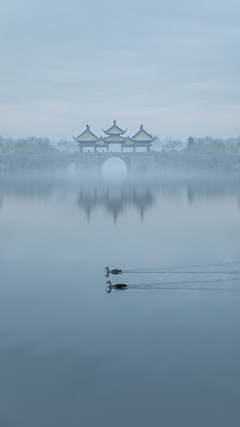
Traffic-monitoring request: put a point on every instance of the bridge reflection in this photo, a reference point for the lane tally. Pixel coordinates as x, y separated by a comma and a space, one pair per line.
116, 199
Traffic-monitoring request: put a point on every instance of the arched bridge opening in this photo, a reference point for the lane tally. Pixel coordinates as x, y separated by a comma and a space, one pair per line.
117, 162
114, 167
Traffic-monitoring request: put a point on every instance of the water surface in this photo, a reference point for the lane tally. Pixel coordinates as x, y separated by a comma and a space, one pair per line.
166, 351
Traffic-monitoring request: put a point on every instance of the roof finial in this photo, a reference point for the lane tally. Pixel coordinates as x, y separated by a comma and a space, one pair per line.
87, 127
141, 127
114, 121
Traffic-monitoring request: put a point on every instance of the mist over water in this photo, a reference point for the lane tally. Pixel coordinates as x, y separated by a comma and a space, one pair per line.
114, 169
166, 350
119, 149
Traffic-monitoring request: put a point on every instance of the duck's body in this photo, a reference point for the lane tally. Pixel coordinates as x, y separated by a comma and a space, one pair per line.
114, 271
117, 286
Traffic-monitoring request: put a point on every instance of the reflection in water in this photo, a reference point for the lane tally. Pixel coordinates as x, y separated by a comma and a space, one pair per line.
199, 279
117, 198
114, 169
118, 286
172, 338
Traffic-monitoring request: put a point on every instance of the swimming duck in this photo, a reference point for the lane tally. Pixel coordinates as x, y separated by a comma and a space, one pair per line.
118, 286
116, 271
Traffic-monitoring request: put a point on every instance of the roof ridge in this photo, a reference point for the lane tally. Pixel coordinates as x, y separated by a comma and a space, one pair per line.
87, 130
116, 126
143, 130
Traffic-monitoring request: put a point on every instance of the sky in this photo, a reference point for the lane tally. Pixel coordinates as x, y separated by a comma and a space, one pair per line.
173, 66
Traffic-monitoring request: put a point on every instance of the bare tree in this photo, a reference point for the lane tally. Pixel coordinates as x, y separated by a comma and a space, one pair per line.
172, 144
231, 149
66, 145
24, 149
216, 150
8, 148
171, 149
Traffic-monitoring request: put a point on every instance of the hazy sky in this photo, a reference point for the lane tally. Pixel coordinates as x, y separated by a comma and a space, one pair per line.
172, 65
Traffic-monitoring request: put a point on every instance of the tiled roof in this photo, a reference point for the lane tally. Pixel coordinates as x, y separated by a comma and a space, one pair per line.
114, 130
142, 136
87, 136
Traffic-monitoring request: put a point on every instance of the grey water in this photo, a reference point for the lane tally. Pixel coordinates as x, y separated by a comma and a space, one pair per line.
165, 351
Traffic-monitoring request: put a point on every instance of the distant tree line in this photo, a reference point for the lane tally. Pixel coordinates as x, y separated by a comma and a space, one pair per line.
23, 152
204, 152
207, 152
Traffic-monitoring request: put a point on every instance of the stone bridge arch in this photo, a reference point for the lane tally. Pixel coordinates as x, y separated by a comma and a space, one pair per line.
106, 156
60, 162
135, 162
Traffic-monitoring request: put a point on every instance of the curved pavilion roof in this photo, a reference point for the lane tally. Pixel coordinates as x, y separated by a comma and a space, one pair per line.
115, 139
114, 136
87, 136
114, 130
142, 136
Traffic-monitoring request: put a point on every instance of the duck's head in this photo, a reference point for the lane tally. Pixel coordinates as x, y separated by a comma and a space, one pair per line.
106, 268
109, 283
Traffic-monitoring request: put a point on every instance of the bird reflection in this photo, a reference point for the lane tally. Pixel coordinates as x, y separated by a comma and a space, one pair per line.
119, 286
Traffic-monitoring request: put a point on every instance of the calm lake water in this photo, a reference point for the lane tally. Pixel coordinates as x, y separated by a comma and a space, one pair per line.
165, 351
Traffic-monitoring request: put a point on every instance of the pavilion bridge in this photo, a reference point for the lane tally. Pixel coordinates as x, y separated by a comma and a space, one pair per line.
84, 162
88, 141
135, 151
